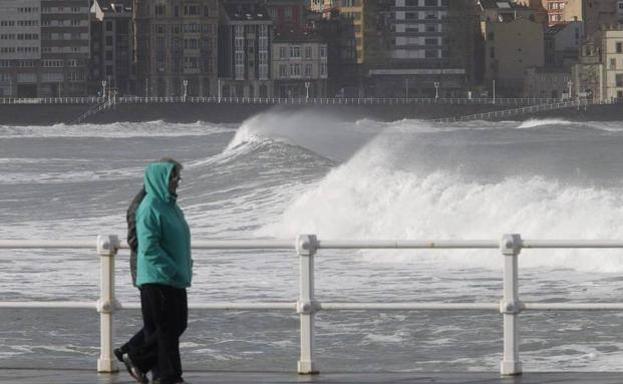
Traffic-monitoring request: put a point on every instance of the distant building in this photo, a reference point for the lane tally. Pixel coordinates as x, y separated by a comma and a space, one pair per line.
20, 47
612, 59
588, 74
176, 47
299, 66
44, 48
510, 48
601, 13
355, 11
563, 43
339, 35
112, 40
420, 48
548, 83
287, 15
561, 11
65, 48
574, 11
245, 42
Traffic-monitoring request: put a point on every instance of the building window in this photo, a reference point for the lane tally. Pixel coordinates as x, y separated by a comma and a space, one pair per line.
430, 3
283, 70
160, 10
492, 52
282, 52
109, 41
295, 51
295, 70
109, 26
619, 47
613, 63
191, 10
323, 51
308, 70
619, 80
308, 52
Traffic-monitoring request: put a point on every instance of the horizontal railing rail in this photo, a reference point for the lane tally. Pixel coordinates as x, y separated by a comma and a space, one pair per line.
306, 246
281, 100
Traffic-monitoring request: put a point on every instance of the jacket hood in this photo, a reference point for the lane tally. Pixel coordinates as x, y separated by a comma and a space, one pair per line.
157, 176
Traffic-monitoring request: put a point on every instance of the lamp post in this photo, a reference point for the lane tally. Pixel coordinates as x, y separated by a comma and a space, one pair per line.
185, 82
104, 89
147, 87
569, 84
307, 84
406, 88
219, 90
494, 91
436, 83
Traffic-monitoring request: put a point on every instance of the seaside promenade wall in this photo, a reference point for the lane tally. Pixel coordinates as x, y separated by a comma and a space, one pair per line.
48, 114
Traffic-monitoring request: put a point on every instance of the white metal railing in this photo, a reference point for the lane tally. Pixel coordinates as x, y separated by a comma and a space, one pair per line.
306, 306
492, 115
283, 100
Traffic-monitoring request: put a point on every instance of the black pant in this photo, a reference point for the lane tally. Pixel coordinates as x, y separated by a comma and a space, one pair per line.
165, 317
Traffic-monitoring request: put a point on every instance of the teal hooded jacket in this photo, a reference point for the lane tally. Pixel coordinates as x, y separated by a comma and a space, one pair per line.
164, 255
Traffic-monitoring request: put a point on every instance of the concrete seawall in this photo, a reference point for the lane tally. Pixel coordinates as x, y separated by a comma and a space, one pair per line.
48, 114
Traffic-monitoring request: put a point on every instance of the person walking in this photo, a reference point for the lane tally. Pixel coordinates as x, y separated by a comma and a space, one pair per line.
164, 271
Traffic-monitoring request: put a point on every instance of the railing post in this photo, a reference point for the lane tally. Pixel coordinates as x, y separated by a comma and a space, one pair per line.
107, 249
510, 306
306, 246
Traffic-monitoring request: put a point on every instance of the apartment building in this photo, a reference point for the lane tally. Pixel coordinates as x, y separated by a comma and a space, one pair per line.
612, 59
299, 66
598, 13
246, 32
563, 43
287, 15
510, 48
65, 48
420, 48
20, 47
112, 50
176, 47
354, 10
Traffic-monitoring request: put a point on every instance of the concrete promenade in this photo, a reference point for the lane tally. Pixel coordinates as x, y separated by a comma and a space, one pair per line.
35, 376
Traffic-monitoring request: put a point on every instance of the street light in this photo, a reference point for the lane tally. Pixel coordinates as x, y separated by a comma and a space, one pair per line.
569, 84
104, 89
185, 82
436, 83
307, 84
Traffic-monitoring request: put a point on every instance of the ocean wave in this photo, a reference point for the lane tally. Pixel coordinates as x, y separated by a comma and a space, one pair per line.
156, 128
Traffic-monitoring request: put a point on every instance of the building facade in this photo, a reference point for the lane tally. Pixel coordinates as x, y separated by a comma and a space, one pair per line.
612, 59
176, 47
112, 50
563, 43
44, 48
548, 83
588, 74
510, 48
65, 48
420, 48
287, 15
354, 10
20, 47
246, 33
601, 13
299, 66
